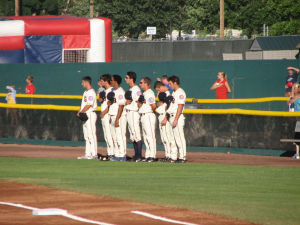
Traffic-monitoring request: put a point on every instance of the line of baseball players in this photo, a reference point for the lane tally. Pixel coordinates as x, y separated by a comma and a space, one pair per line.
138, 109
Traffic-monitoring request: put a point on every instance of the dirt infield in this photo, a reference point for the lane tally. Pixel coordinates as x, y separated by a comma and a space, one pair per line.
37, 151
102, 209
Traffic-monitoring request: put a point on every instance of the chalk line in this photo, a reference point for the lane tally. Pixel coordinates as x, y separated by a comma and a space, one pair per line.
161, 218
68, 215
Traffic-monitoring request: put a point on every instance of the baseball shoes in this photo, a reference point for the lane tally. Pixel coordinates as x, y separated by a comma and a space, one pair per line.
181, 161
85, 157
296, 156
138, 160
145, 160
150, 160
172, 161
122, 159
114, 159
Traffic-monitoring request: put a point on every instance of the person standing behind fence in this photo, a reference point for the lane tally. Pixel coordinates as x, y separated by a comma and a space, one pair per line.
11, 99
30, 88
89, 106
291, 79
221, 86
295, 99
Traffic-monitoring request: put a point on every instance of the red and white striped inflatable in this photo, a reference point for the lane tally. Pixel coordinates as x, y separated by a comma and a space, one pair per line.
42, 39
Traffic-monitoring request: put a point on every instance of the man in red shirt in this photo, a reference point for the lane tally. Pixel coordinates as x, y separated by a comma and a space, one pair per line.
30, 88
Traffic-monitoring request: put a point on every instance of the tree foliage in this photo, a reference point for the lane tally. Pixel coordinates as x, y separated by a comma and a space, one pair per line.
131, 17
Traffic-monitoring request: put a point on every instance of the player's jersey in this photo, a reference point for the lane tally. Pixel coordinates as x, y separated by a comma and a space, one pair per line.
120, 100
104, 103
89, 98
179, 98
149, 100
30, 89
135, 94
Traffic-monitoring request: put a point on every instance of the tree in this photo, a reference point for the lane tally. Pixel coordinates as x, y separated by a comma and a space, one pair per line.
202, 15
131, 18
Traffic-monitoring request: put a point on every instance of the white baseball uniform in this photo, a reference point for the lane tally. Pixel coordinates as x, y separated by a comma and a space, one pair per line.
148, 121
106, 126
132, 115
178, 131
89, 127
118, 133
166, 132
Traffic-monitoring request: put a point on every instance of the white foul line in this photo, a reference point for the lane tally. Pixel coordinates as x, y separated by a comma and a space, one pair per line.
68, 215
161, 218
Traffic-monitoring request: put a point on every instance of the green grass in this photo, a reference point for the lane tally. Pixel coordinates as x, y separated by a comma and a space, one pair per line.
265, 195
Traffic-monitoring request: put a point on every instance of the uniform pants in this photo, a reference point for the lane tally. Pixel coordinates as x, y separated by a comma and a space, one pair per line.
89, 132
133, 120
178, 133
148, 121
107, 134
167, 138
119, 135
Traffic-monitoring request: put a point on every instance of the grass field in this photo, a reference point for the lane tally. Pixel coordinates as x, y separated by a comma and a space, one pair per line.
265, 195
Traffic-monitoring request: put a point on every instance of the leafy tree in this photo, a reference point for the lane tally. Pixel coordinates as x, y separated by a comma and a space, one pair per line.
131, 18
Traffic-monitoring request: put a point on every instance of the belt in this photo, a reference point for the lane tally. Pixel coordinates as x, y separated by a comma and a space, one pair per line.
143, 114
128, 110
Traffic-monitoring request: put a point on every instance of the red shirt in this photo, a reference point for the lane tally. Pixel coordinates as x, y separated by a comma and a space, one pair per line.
221, 90
30, 89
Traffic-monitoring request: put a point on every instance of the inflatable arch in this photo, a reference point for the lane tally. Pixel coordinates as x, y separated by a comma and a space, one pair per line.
55, 39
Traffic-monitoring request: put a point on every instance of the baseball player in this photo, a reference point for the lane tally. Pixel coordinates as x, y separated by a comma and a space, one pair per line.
132, 115
148, 119
176, 118
118, 119
166, 132
89, 106
101, 87
105, 81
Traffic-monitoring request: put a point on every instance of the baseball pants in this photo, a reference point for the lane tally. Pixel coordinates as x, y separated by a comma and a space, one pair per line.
133, 120
148, 121
119, 135
167, 138
107, 134
178, 133
89, 132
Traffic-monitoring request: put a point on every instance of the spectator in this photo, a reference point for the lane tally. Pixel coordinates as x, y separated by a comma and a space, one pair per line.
11, 99
30, 88
164, 80
221, 86
291, 79
295, 99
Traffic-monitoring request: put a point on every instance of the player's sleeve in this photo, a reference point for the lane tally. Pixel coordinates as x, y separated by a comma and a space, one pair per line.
151, 99
181, 98
120, 99
136, 94
91, 98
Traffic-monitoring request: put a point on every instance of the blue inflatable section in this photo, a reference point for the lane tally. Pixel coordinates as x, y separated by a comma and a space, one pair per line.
43, 49
12, 56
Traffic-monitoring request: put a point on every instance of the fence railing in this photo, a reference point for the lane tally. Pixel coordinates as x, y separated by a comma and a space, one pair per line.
186, 111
